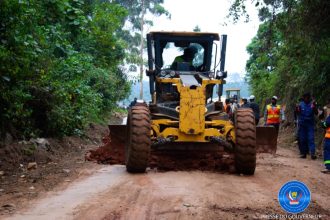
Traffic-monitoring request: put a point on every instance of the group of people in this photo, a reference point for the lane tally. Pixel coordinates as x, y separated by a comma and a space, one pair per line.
231, 106
273, 114
305, 112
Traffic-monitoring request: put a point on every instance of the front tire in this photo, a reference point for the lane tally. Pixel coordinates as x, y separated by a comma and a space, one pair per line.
245, 147
138, 139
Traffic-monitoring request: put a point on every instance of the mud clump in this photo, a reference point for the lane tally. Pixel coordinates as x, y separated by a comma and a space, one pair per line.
211, 159
111, 152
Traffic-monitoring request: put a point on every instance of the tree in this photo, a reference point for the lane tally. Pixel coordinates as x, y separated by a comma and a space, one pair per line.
290, 54
59, 65
137, 21
197, 29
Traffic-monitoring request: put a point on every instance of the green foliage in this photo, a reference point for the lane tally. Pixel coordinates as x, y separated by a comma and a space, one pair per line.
291, 52
197, 29
59, 65
137, 9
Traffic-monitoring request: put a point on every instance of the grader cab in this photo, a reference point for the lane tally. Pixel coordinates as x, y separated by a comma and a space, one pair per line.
183, 109
233, 94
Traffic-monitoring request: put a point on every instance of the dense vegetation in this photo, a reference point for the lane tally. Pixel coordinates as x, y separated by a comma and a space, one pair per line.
64, 62
290, 54
60, 65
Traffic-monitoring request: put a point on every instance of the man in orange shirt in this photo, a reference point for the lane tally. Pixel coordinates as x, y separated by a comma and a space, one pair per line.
274, 114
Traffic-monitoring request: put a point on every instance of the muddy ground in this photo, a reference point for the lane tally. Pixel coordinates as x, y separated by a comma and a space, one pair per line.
98, 191
57, 167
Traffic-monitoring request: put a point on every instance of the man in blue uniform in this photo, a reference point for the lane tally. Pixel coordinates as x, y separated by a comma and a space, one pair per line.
306, 111
326, 147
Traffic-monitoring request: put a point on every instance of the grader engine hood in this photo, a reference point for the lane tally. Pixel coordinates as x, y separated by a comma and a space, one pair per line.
190, 124
192, 106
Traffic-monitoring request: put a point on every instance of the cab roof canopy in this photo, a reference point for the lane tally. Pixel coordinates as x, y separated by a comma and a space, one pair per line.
213, 36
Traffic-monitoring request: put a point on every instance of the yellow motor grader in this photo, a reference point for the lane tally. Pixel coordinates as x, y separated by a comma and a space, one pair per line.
183, 109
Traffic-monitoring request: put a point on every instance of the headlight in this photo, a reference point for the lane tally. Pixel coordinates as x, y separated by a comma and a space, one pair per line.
172, 73
163, 73
219, 74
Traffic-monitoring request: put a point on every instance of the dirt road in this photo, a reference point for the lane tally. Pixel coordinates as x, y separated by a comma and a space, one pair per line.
111, 193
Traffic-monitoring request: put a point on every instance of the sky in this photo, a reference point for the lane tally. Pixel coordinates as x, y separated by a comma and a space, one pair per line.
210, 15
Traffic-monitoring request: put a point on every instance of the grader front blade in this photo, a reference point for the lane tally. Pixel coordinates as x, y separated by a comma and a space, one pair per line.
118, 129
266, 139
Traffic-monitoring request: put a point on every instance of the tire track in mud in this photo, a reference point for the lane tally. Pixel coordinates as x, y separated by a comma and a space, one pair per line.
115, 194
60, 205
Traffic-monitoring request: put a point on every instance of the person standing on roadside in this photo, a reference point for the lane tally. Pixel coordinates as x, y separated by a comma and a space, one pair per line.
255, 107
306, 111
133, 102
274, 114
228, 107
245, 103
234, 107
326, 146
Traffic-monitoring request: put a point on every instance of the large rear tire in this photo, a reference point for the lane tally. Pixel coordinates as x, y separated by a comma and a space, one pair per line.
245, 147
138, 139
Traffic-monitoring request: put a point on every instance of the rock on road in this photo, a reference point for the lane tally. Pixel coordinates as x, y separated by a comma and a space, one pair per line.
112, 193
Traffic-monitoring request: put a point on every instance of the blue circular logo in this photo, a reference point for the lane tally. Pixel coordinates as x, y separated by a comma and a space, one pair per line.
294, 197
